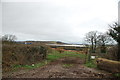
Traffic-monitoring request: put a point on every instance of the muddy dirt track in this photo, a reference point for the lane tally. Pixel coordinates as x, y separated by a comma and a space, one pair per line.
57, 69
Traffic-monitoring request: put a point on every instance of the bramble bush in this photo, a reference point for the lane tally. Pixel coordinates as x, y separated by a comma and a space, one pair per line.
111, 53
21, 54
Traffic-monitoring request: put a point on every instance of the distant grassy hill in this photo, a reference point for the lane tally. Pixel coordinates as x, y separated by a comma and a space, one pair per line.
41, 42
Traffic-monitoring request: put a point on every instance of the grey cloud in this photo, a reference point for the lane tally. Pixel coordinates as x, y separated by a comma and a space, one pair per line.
48, 21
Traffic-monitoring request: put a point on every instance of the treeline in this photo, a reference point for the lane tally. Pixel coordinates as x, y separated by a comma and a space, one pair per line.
98, 39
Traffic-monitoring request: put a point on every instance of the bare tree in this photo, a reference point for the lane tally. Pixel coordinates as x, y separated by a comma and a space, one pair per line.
92, 38
9, 37
104, 39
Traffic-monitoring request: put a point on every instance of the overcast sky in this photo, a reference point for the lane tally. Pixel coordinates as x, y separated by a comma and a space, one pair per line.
61, 20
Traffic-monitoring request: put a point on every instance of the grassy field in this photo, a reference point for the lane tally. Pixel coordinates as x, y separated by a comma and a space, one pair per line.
56, 55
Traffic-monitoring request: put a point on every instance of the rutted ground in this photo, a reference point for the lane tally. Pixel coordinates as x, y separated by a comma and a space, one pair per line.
57, 69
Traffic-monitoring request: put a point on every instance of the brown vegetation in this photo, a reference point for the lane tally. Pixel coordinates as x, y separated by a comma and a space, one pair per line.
111, 53
60, 49
21, 54
108, 65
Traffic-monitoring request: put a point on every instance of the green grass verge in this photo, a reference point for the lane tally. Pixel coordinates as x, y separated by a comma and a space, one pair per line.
91, 64
31, 66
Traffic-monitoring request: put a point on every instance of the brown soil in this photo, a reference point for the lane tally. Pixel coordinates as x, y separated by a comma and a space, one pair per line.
57, 70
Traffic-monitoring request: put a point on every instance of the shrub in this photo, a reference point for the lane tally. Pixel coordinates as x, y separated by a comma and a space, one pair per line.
110, 54
21, 54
